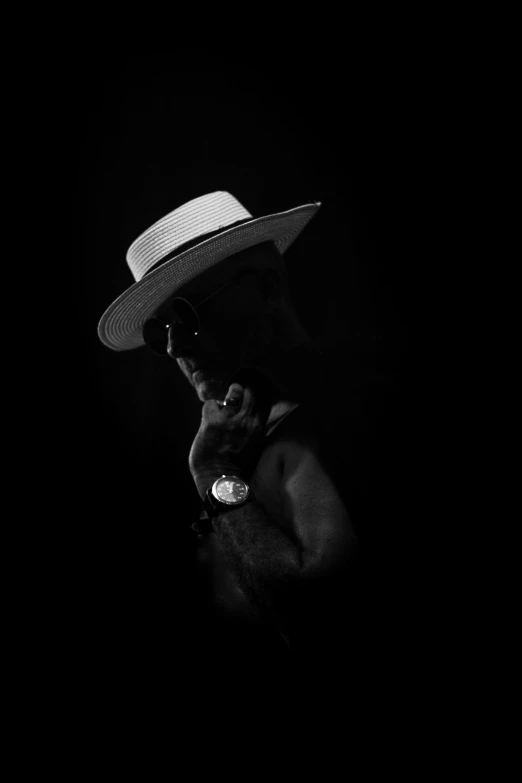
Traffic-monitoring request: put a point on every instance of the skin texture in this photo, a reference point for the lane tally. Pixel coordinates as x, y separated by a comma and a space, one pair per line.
272, 558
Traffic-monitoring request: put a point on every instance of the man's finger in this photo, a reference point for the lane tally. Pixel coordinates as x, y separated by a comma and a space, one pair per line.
234, 396
249, 399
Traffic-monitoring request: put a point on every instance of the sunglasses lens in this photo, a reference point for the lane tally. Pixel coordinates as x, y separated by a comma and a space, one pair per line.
155, 335
184, 323
185, 315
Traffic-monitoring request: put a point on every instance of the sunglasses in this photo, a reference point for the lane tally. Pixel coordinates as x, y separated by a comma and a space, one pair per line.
183, 318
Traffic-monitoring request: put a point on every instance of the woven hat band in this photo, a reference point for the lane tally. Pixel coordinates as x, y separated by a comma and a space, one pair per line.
193, 242
199, 217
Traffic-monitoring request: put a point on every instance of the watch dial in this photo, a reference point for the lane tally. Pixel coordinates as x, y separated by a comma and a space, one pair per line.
230, 491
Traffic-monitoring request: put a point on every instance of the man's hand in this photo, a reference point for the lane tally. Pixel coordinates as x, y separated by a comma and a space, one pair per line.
230, 438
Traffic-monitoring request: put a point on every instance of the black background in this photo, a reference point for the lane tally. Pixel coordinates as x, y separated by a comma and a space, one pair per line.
139, 136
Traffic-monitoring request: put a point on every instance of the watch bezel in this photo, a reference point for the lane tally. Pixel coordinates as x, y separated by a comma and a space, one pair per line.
237, 479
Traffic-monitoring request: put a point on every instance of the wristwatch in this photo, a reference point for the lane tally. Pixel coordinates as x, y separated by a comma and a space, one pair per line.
226, 492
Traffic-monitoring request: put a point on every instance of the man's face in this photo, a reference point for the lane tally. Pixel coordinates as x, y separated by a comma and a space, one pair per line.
233, 324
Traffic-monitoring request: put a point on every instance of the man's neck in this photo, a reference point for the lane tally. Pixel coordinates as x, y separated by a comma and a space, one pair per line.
288, 378
280, 410
287, 368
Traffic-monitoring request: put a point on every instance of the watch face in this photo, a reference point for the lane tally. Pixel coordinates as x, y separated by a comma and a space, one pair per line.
231, 490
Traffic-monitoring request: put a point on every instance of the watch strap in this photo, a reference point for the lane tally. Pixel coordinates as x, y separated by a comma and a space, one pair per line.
208, 505
213, 506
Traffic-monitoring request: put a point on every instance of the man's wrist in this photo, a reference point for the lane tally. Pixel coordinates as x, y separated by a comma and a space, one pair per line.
204, 479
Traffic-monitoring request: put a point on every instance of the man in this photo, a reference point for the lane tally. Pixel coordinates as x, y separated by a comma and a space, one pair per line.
276, 537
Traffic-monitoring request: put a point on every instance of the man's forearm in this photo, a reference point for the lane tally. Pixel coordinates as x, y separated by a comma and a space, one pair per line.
263, 559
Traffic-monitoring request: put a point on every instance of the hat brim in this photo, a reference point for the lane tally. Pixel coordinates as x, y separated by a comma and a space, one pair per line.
120, 327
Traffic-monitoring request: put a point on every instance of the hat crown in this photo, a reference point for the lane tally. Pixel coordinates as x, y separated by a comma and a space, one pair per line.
197, 217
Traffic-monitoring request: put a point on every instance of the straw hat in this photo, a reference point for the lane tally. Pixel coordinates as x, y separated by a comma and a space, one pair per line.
182, 245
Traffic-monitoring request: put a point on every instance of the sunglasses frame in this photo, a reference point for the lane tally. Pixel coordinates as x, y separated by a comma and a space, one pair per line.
166, 324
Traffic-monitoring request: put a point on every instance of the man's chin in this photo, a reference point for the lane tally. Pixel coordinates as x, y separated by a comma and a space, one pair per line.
210, 387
